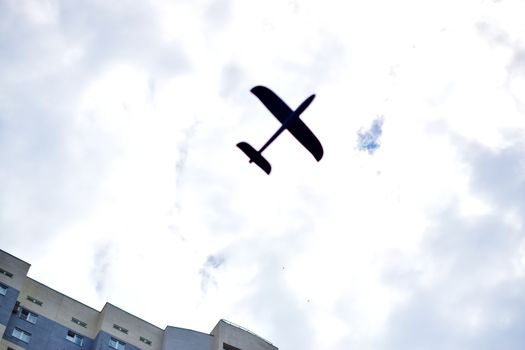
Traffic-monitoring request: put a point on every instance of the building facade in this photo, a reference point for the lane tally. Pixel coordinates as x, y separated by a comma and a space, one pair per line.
34, 316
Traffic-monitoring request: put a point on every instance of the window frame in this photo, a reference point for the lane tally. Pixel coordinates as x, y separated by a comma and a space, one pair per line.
73, 336
117, 344
22, 334
3, 289
145, 340
6, 273
78, 322
120, 328
29, 316
34, 300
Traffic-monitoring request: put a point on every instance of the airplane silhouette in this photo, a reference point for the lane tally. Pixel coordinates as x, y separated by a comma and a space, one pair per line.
290, 120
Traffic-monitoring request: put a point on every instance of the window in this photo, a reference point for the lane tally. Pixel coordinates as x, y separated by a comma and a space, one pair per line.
145, 341
7, 273
229, 347
116, 344
122, 329
74, 338
3, 289
33, 300
80, 323
22, 335
28, 316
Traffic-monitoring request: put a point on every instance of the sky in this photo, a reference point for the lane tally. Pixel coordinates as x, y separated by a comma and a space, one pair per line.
120, 180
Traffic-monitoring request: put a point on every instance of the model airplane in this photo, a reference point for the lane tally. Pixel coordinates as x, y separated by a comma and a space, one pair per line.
290, 120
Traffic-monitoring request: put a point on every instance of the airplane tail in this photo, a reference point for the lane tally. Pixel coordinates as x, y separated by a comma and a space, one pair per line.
255, 157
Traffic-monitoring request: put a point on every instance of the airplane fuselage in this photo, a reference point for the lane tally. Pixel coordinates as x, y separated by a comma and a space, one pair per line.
289, 120
291, 117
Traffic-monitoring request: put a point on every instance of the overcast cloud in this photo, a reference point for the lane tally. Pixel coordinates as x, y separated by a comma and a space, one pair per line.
118, 125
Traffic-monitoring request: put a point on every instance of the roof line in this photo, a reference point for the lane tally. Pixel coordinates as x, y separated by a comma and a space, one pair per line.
92, 308
246, 330
67, 296
17, 258
129, 313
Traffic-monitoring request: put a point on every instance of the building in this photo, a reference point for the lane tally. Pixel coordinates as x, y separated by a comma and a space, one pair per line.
34, 316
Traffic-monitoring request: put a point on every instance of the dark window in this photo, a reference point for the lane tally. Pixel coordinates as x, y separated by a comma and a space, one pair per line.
75, 338
144, 340
80, 323
33, 300
229, 347
122, 329
7, 273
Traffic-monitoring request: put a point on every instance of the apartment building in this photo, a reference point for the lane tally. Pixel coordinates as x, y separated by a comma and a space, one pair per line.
34, 316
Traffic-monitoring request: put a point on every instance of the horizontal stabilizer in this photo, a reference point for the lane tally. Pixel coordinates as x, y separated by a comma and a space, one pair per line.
255, 157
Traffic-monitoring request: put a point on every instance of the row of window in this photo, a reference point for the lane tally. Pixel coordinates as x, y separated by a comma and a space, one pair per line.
32, 318
71, 336
117, 327
125, 331
3, 291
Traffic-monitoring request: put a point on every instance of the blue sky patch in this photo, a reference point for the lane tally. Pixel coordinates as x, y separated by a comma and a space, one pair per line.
368, 140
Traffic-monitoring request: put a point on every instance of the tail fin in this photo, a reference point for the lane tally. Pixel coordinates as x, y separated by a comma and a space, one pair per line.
255, 157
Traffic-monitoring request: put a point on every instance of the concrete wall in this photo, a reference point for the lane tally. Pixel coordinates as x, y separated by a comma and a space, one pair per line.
50, 298
136, 327
4, 344
58, 307
225, 332
70, 308
185, 339
15, 266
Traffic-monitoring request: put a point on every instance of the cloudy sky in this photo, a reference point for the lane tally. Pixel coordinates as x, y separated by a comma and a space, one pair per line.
120, 180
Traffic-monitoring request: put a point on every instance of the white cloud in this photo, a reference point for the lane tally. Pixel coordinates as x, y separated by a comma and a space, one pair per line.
118, 126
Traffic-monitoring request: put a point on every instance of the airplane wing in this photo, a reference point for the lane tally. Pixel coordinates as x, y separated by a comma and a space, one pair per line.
296, 127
